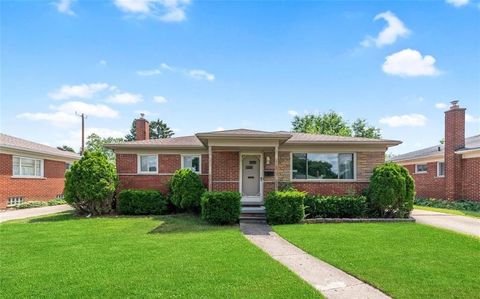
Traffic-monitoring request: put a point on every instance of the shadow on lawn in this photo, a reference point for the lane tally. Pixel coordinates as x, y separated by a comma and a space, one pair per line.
63, 216
181, 223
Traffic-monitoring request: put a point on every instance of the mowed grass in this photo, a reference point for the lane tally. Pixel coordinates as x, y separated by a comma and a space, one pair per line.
405, 260
449, 211
137, 257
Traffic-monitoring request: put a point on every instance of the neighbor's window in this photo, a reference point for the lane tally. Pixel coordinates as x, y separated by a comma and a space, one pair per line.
191, 162
419, 168
148, 163
27, 167
320, 166
13, 201
440, 169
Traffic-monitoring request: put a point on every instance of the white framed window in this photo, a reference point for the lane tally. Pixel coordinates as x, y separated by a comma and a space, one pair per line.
440, 169
323, 166
192, 162
147, 164
13, 201
420, 168
27, 167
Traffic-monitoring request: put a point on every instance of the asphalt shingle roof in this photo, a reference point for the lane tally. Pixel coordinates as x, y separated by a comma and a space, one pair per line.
12, 142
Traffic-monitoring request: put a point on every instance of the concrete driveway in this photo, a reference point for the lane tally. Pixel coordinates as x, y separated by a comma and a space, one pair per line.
461, 224
25, 213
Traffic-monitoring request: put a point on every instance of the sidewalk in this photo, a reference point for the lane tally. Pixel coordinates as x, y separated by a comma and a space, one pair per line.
461, 224
26, 213
330, 281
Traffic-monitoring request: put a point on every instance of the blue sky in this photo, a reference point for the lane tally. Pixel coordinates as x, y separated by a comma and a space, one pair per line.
207, 65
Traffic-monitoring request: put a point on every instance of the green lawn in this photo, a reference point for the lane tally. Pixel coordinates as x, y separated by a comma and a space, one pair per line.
405, 260
449, 211
162, 257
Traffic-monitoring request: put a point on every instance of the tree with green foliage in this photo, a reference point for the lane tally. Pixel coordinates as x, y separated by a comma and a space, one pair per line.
66, 148
330, 123
361, 128
186, 189
97, 143
90, 184
158, 129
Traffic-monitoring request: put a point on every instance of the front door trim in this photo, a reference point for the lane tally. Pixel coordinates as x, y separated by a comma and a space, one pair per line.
251, 198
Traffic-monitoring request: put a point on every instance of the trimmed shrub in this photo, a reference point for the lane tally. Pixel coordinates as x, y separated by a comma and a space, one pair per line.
462, 205
31, 204
90, 184
284, 207
335, 206
142, 202
391, 191
186, 190
56, 202
221, 207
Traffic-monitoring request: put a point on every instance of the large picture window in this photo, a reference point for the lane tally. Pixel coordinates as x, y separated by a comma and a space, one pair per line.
322, 166
27, 167
191, 162
147, 163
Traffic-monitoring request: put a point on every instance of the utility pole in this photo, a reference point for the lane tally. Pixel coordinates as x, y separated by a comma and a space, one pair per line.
83, 116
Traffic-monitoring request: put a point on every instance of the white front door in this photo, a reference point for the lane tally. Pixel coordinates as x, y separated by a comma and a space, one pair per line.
251, 177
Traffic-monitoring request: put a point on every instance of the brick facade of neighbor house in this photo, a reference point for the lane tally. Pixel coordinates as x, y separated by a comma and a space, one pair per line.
462, 162
225, 149
43, 189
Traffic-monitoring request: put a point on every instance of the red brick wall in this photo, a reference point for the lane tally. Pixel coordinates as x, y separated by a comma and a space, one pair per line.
43, 189
454, 140
331, 188
126, 163
428, 185
226, 166
471, 179
169, 163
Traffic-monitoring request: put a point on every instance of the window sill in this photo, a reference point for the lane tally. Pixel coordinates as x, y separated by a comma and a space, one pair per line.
324, 180
440, 177
421, 172
147, 173
28, 177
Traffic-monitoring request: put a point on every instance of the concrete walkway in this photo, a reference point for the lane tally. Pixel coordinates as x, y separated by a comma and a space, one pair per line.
330, 281
461, 224
26, 213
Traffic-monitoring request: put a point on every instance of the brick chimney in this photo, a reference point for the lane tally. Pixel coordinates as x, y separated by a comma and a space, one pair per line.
454, 140
142, 128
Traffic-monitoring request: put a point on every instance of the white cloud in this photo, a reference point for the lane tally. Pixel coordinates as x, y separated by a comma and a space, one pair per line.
458, 3
394, 29
163, 10
59, 119
167, 67
441, 105
410, 63
73, 137
201, 75
471, 119
64, 6
292, 113
159, 99
125, 98
146, 73
103, 132
81, 91
220, 129
407, 120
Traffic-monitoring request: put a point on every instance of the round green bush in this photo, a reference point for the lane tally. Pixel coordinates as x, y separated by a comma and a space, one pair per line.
142, 202
221, 207
186, 190
283, 207
90, 184
391, 191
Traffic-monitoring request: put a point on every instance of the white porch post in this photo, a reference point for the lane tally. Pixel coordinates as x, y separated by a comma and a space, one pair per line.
276, 168
210, 183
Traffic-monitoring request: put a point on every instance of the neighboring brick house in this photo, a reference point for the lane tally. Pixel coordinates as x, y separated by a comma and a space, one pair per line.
251, 162
451, 170
31, 171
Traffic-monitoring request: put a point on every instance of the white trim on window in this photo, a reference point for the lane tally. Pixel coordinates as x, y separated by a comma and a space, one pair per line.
37, 173
423, 171
199, 156
139, 164
438, 169
324, 180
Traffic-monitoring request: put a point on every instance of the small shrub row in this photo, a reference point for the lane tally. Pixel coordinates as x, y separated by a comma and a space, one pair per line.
284, 207
56, 202
32, 204
462, 205
221, 207
335, 206
142, 202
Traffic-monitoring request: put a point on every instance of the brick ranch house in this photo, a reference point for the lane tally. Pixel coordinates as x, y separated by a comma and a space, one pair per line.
251, 162
31, 171
451, 170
